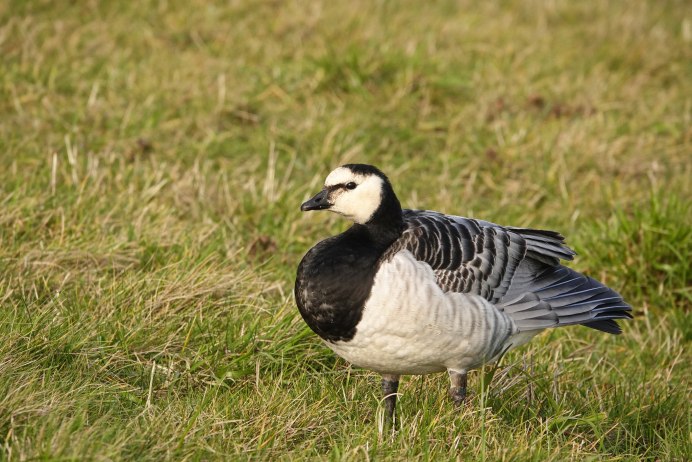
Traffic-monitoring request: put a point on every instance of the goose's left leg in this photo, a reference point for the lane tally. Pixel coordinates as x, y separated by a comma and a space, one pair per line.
390, 385
457, 390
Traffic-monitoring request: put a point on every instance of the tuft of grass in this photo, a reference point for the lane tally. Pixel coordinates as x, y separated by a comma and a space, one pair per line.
154, 156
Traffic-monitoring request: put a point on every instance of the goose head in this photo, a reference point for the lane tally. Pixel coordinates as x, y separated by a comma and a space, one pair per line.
360, 193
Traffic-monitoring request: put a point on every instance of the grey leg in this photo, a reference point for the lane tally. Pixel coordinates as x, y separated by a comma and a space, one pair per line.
390, 385
457, 390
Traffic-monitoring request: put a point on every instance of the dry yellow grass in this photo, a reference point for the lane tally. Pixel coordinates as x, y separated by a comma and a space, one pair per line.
154, 156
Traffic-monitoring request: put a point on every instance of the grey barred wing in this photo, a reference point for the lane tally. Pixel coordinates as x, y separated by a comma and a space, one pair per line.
466, 255
517, 269
474, 256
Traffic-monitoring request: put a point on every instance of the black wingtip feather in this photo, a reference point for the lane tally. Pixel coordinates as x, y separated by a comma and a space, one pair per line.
608, 326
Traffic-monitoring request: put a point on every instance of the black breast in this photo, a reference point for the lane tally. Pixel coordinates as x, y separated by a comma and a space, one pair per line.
334, 281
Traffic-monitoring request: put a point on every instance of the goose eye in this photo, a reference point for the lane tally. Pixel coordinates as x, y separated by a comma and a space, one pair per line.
351, 185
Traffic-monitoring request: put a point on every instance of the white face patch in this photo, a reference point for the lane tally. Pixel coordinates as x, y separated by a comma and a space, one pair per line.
357, 204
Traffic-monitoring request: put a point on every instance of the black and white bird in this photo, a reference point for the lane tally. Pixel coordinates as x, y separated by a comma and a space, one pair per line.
414, 292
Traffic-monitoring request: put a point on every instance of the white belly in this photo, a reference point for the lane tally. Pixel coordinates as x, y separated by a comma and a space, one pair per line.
410, 326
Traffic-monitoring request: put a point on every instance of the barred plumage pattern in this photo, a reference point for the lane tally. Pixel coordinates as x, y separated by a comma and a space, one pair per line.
517, 269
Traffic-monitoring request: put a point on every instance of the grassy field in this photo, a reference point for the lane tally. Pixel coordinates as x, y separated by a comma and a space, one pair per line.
153, 157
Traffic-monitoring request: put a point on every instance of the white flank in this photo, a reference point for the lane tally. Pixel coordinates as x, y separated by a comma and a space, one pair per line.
410, 326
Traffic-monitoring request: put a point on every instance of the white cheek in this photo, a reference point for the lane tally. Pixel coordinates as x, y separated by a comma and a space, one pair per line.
368, 203
360, 204
353, 213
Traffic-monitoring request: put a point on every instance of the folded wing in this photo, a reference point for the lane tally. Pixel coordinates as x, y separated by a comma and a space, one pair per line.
517, 269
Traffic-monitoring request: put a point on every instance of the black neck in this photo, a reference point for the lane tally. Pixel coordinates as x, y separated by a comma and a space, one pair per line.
387, 223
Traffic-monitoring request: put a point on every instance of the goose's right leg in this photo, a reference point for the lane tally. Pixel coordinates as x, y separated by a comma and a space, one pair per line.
457, 390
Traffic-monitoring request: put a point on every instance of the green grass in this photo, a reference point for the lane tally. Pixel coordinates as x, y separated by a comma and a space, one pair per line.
153, 156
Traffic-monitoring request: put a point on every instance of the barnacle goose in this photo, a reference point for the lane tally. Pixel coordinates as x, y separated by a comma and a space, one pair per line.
414, 292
